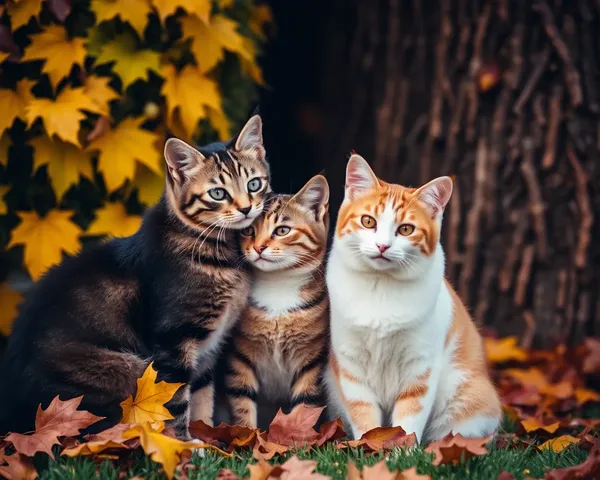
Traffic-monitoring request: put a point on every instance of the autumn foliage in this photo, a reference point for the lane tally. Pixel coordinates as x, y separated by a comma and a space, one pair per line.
88, 92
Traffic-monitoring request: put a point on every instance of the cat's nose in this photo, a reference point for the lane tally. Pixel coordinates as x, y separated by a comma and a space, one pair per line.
245, 210
260, 248
382, 247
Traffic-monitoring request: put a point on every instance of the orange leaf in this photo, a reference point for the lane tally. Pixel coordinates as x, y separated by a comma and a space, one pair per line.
452, 449
503, 350
265, 450
295, 428
60, 419
383, 438
331, 431
18, 467
230, 436
108, 439
533, 424
584, 395
561, 390
558, 444
263, 471
531, 377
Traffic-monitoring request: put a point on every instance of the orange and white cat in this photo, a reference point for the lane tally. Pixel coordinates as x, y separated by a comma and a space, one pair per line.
404, 348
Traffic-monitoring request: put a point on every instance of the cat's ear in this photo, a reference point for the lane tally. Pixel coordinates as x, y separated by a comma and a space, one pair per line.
314, 196
359, 177
435, 195
183, 160
250, 138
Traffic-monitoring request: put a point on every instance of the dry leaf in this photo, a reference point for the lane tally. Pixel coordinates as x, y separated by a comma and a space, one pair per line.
296, 428
10, 300
533, 424
584, 395
228, 436
18, 467
60, 419
150, 399
558, 444
226, 474
134, 12
590, 469
199, 8
265, 450
379, 471
45, 239
454, 448
263, 471
383, 438
113, 220
331, 431
296, 469
13, 103
108, 439
532, 377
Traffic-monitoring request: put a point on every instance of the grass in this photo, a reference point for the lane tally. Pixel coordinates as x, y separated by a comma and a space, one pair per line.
332, 462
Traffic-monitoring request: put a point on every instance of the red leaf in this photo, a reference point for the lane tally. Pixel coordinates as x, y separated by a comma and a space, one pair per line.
19, 468
451, 449
227, 435
331, 431
295, 428
265, 450
588, 469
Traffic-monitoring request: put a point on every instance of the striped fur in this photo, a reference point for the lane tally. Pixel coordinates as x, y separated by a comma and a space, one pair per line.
278, 349
404, 349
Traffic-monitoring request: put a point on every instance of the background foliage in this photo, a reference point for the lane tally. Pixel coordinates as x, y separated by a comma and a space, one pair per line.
89, 90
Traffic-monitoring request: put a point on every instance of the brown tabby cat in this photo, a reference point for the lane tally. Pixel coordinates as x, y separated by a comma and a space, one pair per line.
279, 345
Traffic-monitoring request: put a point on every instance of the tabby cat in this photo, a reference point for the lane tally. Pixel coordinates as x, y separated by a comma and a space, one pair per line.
402, 341
278, 349
167, 294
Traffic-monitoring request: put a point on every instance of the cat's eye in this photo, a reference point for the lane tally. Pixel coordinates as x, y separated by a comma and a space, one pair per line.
217, 193
281, 231
368, 221
248, 232
254, 185
406, 229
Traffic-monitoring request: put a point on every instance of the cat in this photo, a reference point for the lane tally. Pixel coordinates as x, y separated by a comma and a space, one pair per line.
402, 342
279, 347
168, 294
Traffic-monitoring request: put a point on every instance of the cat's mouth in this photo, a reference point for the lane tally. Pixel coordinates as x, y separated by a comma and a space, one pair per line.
381, 257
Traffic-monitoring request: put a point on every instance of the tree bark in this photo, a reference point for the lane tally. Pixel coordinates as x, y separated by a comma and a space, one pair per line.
504, 96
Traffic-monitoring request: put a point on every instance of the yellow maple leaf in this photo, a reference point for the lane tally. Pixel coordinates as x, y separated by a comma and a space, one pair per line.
10, 300
189, 92
220, 123
5, 143
210, 41
113, 220
200, 8
21, 12
248, 61
503, 350
149, 185
163, 449
130, 63
134, 12
121, 147
58, 52
558, 444
62, 115
13, 103
4, 189
98, 90
45, 239
65, 163
150, 399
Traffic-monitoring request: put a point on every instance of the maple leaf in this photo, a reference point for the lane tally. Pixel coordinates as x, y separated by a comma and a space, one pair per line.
10, 300
220, 123
561, 390
13, 103
533, 424
209, 42
265, 450
121, 147
134, 12
533, 377
331, 431
60, 419
65, 163
21, 12
149, 185
108, 439
18, 467
150, 399
58, 52
263, 471
454, 448
504, 350
162, 448
129, 62
62, 116
45, 239
200, 8
382, 438
296, 469
189, 92
586, 470
380, 471
584, 395
98, 90
113, 220
296, 428
3, 191
227, 435
248, 61
558, 444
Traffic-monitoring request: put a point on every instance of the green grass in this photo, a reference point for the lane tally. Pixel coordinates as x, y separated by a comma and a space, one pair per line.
520, 462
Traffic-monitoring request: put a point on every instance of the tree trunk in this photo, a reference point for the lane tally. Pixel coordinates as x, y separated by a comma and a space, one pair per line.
503, 95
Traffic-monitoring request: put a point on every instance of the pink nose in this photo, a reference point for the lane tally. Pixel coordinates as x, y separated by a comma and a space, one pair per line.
260, 249
382, 248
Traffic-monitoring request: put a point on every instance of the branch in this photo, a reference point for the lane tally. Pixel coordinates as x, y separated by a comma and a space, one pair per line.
538, 71
524, 275
585, 210
553, 127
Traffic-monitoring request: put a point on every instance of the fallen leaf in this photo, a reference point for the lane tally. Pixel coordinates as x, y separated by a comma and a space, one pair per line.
296, 428
161, 448
10, 300
227, 435
379, 471
587, 470
265, 450
209, 42
105, 440
200, 8
100, 92
150, 399
591, 361
411, 474
382, 438
45, 239
18, 467
121, 148
60, 419
66, 163
533, 424
296, 469
584, 395
20, 12
61, 117
150, 186
189, 92
130, 63
561, 390
13, 103
113, 220
263, 471
533, 377
226, 474
331, 431
454, 448
558, 444
134, 12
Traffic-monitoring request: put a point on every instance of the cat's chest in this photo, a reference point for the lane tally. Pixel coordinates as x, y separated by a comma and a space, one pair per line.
276, 298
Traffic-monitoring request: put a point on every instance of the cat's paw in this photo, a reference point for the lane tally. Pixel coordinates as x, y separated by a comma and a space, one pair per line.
200, 451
